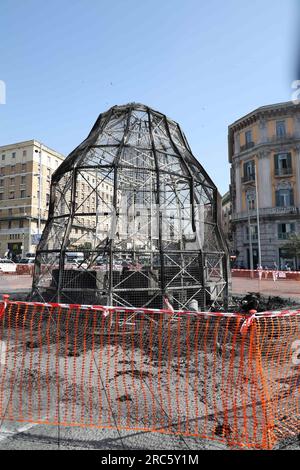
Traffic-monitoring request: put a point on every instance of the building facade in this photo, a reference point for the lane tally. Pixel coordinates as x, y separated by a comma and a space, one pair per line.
25, 174
264, 153
226, 216
26, 169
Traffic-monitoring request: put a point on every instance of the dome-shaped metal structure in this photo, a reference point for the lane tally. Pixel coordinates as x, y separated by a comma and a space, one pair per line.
133, 218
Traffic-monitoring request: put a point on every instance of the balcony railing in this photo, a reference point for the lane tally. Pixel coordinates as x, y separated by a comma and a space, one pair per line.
248, 178
266, 211
247, 146
283, 171
281, 138
254, 238
284, 236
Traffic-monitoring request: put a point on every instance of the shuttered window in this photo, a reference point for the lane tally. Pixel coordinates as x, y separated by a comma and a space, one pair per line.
283, 164
284, 197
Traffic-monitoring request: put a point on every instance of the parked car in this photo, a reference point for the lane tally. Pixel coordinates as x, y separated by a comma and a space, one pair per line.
26, 261
74, 256
7, 266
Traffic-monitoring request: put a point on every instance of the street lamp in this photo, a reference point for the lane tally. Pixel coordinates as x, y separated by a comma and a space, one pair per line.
257, 216
40, 188
250, 233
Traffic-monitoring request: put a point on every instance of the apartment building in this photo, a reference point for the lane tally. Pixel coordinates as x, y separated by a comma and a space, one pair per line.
25, 175
264, 153
226, 216
26, 169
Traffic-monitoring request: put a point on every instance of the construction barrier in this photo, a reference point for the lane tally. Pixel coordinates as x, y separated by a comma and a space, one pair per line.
266, 274
218, 376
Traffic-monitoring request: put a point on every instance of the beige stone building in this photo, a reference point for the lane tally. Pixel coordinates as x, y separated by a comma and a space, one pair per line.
26, 169
226, 216
25, 175
264, 153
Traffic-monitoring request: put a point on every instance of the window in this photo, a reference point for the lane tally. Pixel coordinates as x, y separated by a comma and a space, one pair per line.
23, 179
12, 195
13, 154
284, 230
1, 196
21, 223
248, 137
12, 181
3, 157
249, 171
12, 168
254, 232
1, 182
283, 164
9, 224
280, 129
23, 166
24, 153
9, 211
284, 198
23, 193
250, 198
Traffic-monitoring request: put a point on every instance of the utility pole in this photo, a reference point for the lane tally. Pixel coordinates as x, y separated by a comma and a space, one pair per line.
250, 235
39, 175
257, 216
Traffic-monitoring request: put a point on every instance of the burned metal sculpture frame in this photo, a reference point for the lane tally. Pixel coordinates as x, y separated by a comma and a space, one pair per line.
133, 220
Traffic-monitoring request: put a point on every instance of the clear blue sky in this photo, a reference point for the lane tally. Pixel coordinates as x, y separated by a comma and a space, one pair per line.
203, 63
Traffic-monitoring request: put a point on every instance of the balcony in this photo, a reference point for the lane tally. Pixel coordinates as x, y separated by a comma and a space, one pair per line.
247, 146
284, 236
248, 178
281, 138
283, 171
266, 212
254, 238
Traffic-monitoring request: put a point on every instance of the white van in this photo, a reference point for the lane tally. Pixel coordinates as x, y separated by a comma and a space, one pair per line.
7, 266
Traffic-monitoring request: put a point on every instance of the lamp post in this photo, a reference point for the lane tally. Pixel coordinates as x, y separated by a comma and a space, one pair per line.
250, 235
257, 217
39, 174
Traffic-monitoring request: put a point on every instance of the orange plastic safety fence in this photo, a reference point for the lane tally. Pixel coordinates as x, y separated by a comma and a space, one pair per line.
196, 375
278, 347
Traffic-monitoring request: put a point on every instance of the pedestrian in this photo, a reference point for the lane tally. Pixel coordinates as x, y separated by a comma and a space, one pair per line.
266, 272
260, 271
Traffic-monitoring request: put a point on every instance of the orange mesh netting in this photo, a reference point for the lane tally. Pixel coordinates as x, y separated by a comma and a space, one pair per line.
206, 375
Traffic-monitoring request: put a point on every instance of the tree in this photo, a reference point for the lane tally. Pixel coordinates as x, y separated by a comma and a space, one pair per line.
292, 247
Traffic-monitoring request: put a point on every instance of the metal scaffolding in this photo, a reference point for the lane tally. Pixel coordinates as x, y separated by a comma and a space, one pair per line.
133, 220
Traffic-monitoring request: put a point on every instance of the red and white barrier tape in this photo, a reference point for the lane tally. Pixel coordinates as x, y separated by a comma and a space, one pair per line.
265, 271
3, 305
106, 309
